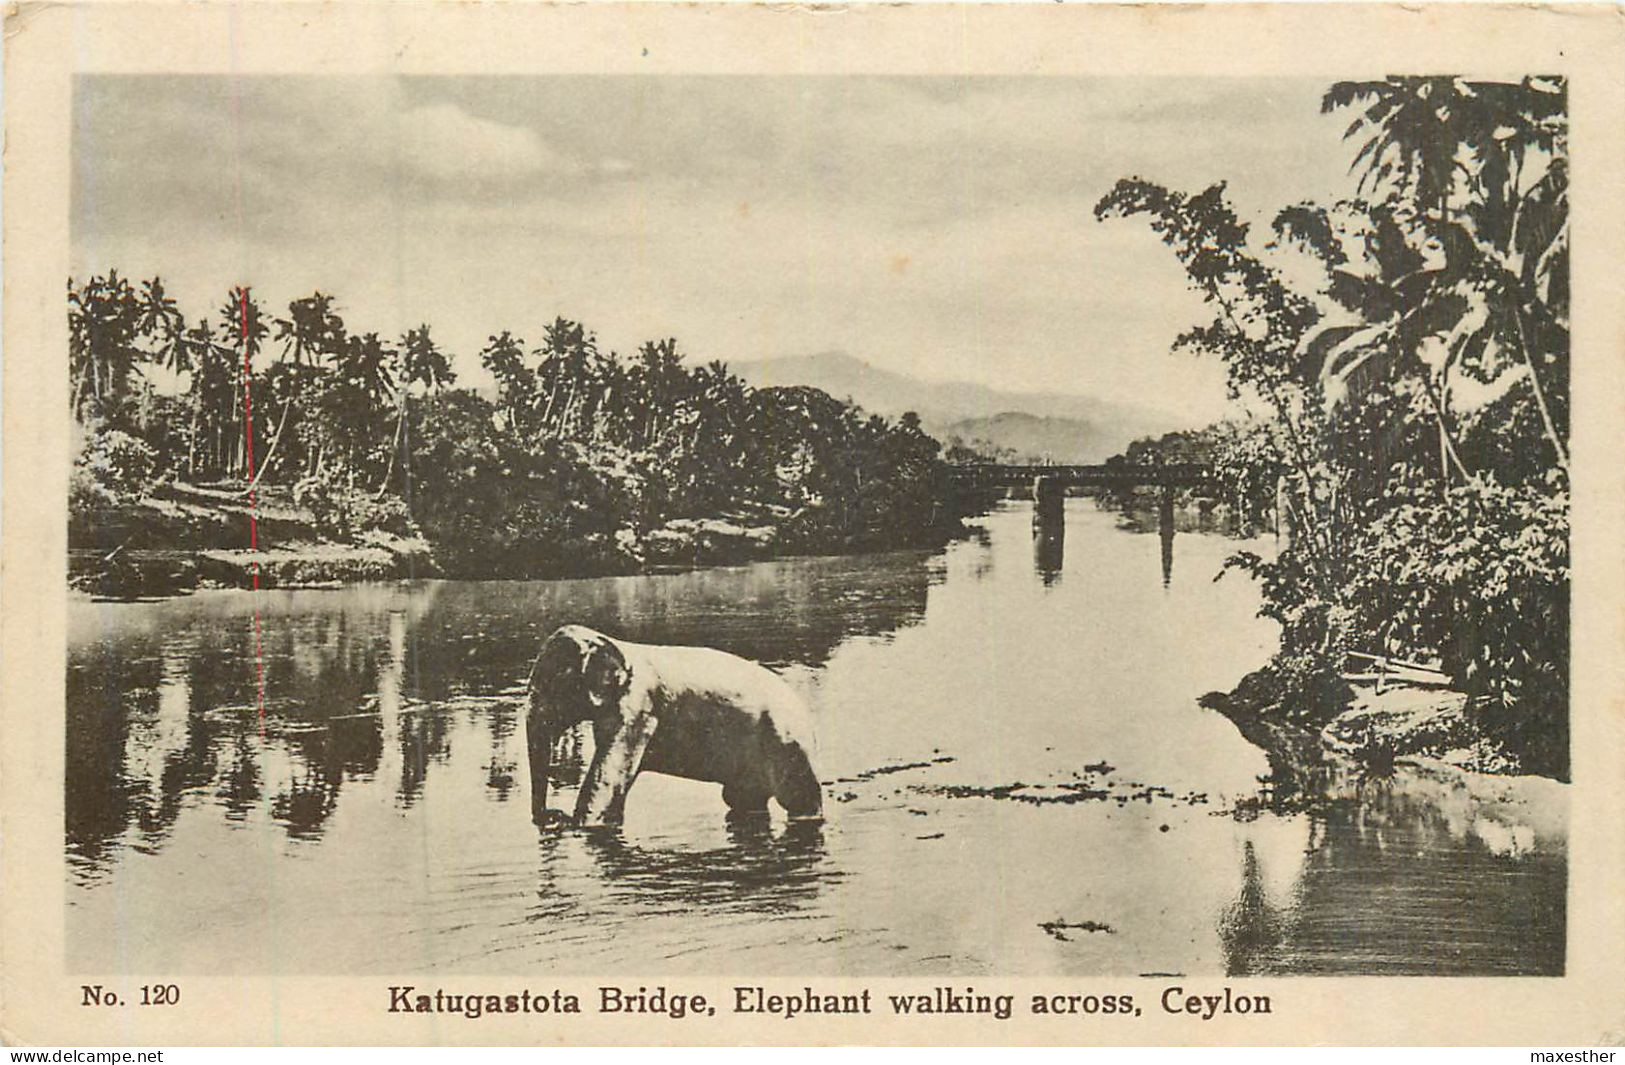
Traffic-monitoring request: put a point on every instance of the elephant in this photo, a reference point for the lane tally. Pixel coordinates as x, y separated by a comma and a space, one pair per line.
690, 712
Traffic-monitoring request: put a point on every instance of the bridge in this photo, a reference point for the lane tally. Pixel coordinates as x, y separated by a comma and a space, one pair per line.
1109, 475
1049, 485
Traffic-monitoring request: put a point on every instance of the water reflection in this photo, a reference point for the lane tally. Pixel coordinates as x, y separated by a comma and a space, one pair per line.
1049, 552
761, 869
1005, 753
1411, 874
1165, 533
1250, 925
163, 699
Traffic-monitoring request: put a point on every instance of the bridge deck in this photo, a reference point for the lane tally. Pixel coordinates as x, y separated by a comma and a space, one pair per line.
1174, 475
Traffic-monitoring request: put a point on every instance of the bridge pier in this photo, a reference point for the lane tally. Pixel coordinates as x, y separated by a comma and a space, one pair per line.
1049, 502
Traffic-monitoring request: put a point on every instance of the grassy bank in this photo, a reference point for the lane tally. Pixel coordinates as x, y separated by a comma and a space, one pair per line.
179, 537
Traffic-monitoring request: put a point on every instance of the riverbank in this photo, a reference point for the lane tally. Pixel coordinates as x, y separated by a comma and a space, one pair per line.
1314, 754
180, 537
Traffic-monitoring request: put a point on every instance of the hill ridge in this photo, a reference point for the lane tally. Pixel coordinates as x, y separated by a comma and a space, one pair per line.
1067, 427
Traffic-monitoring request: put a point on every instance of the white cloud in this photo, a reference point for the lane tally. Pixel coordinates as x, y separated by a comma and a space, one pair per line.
443, 142
942, 231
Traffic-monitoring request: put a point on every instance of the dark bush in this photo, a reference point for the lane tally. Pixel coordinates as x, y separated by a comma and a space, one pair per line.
337, 508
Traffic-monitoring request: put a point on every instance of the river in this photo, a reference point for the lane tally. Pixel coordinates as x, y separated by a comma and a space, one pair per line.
1019, 780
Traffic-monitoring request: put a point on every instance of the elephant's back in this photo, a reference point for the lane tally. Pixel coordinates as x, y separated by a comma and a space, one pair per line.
706, 675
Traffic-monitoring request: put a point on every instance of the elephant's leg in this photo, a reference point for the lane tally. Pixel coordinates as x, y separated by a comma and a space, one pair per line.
614, 766
797, 789
540, 743
745, 801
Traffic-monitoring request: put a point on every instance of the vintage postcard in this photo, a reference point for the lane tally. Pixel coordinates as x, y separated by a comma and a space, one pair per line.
813, 524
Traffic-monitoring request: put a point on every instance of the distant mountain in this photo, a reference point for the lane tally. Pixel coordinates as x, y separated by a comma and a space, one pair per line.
1061, 427
1033, 438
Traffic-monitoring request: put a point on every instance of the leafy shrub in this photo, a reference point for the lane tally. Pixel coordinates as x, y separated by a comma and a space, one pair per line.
351, 512
112, 469
1478, 577
1475, 577
498, 507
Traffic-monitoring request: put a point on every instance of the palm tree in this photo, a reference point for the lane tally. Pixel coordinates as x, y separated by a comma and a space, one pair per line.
567, 349
104, 322
421, 363
162, 324
1387, 287
363, 382
1478, 169
211, 389
312, 331
1413, 127
663, 381
243, 322
504, 357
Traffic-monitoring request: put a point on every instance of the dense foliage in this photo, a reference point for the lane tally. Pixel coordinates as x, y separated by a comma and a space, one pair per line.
1231, 449
1411, 408
581, 461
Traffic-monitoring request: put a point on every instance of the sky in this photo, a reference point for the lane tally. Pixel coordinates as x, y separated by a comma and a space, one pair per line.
936, 226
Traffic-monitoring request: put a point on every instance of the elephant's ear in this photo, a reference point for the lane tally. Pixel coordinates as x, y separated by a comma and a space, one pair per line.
555, 670
608, 678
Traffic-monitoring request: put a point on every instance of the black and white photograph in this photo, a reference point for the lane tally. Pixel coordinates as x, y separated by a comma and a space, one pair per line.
1104, 529
431, 426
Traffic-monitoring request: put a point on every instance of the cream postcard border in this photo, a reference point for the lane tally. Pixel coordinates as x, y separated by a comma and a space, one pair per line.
47, 44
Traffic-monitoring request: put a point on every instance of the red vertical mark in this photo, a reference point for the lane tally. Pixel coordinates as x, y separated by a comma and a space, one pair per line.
253, 512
